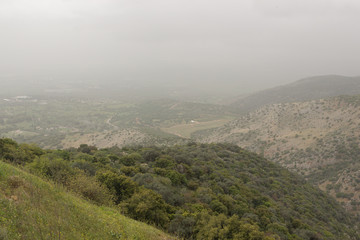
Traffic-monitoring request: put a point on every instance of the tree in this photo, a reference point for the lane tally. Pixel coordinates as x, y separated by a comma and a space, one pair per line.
120, 186
148, 206
131, 159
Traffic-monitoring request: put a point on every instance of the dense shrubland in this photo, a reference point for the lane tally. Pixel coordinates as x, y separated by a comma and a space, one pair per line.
194, 191
317, 139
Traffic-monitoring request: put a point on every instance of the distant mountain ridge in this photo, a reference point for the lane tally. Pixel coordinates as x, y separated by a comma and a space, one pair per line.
306, 89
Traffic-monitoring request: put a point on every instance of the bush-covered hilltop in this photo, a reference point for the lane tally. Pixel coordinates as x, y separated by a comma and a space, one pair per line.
195, 191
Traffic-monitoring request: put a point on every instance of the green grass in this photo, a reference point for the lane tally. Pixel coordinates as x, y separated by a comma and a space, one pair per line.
32, 208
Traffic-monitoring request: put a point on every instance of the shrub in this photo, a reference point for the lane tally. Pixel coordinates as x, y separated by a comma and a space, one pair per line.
218, 207
148, 206
129, 171
176, 178
85, 166
164, 162
182, 225
131, 159
57, 169
90, 188
120, 186
3, 233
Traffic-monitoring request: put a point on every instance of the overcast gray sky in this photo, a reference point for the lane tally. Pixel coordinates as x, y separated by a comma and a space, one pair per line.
253, 43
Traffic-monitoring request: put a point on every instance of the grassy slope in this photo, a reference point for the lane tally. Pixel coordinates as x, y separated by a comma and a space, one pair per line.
34, 209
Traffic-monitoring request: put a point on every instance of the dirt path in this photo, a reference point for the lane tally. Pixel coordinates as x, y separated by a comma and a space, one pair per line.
108, 121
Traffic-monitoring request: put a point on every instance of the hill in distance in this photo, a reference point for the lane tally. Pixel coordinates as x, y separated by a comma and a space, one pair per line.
318, 139
61, 122
311, 88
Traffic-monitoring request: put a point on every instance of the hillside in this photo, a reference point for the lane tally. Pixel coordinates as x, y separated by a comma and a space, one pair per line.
194, 191
34, 209
312, 88
318, 139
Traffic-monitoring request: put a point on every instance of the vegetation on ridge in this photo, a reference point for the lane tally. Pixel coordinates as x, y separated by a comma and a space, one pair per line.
195, 191
318, 139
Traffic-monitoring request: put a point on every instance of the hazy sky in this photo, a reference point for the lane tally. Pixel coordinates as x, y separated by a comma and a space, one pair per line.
253, 43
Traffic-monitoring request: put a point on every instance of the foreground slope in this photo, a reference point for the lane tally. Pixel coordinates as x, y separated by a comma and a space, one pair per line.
311, 88
193, 191
34, 209
319, 139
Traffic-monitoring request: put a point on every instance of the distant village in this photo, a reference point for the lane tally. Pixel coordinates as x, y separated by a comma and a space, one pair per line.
24, 99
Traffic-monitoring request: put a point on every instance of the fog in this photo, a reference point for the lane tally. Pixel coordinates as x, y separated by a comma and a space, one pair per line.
207, 46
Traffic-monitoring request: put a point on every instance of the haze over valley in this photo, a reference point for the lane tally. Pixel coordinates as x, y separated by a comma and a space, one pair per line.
178, 119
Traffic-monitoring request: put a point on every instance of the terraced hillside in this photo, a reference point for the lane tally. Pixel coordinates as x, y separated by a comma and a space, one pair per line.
319, 139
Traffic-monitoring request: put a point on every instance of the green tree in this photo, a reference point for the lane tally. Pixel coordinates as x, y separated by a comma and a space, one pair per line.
131, 159
148, 206
57, 169
120, 186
